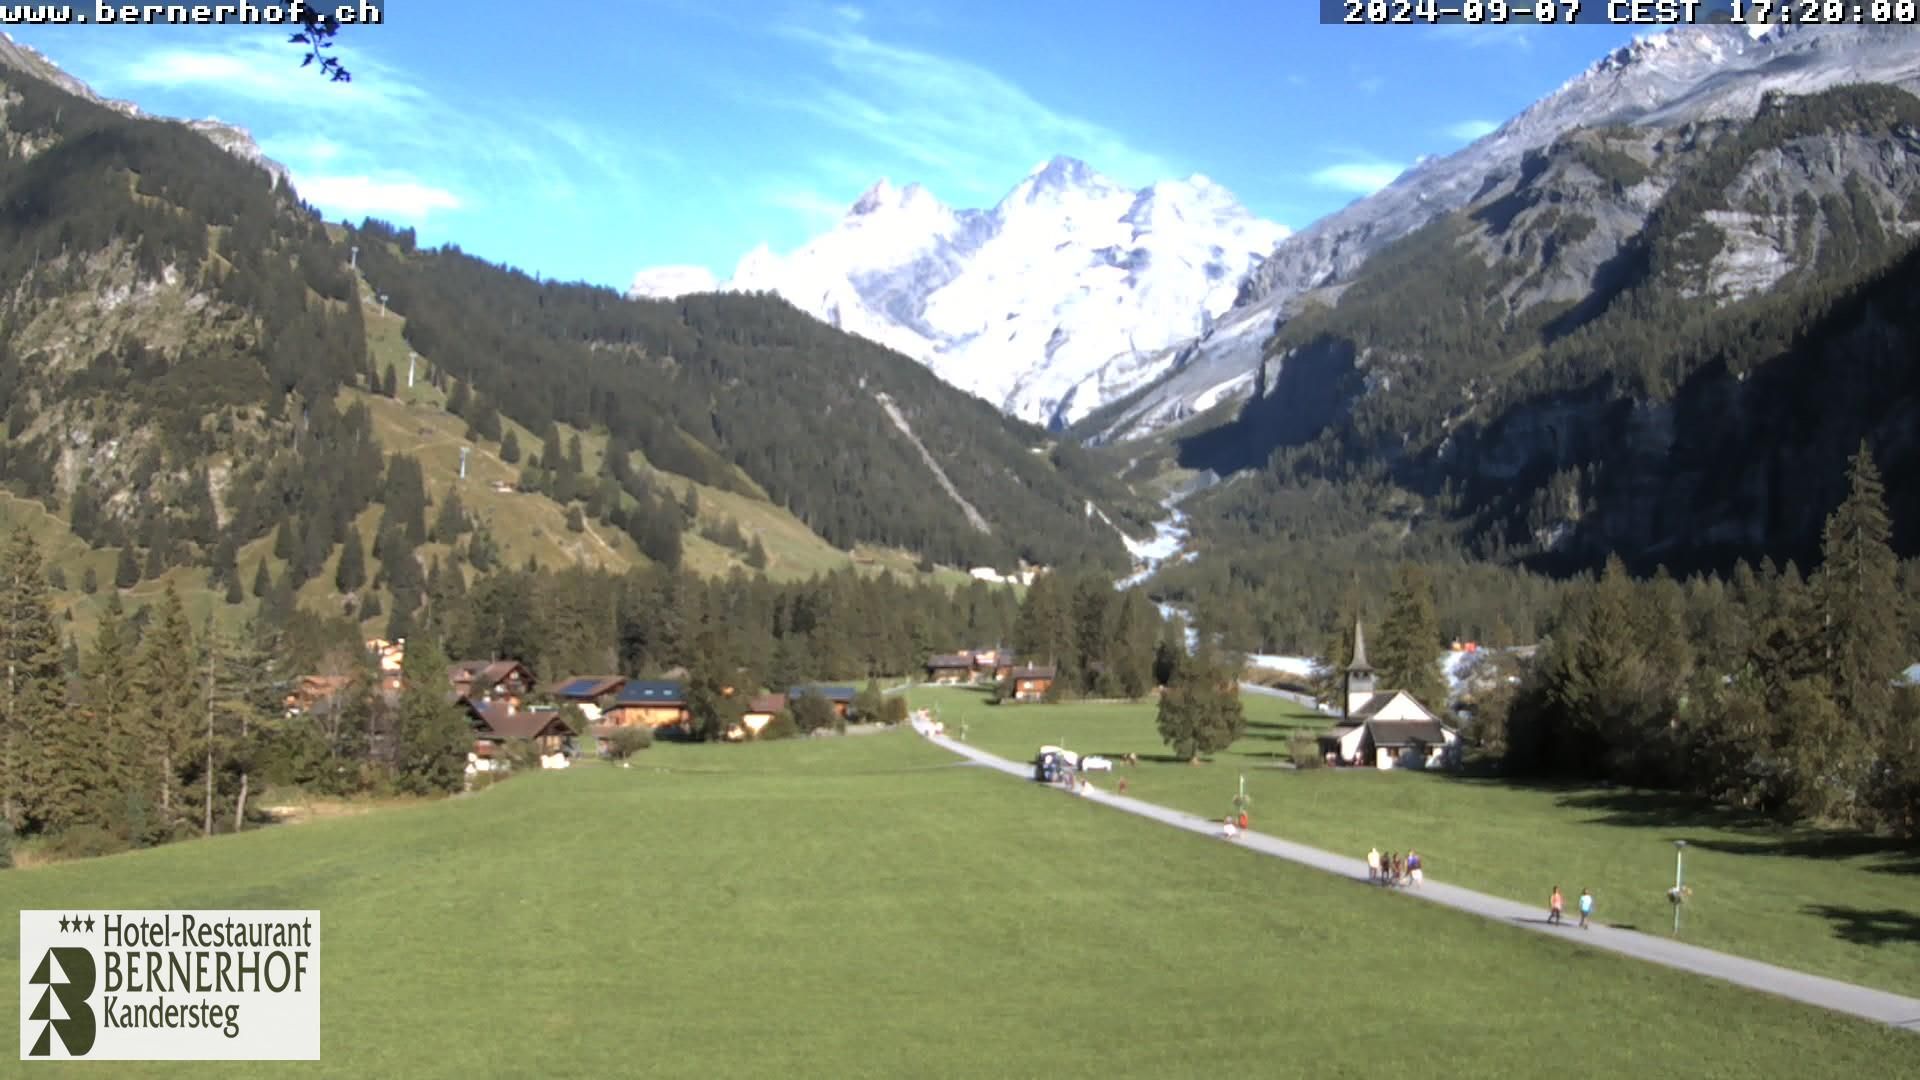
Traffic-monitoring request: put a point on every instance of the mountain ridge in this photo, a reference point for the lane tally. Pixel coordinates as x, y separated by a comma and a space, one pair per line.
1661, 80
1070, 273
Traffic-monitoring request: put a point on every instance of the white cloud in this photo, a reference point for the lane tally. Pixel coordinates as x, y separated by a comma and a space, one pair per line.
958, 121
1469, 130
1360, 177
258, 68
364, 196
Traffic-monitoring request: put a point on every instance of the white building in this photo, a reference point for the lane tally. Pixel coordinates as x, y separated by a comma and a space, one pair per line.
1387, 728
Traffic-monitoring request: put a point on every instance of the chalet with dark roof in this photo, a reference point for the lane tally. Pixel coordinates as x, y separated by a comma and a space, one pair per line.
840, 697
591, 694
950, 668
315, 693
492, 680
654, 703
1386, 728
1031, 683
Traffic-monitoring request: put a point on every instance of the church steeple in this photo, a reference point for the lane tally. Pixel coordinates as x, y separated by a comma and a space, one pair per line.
1359, 673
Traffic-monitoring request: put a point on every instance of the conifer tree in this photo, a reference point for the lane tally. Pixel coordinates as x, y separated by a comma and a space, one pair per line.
41, 740
510, 447
262, 579
1409, 643
1130, 653
451, 521
165, 678
1861, 634
89, 581
126, 571
283, 539
431, 737
351, 573
106, 689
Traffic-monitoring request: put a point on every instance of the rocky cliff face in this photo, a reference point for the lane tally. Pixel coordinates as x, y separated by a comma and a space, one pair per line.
1663, 341
1658, 84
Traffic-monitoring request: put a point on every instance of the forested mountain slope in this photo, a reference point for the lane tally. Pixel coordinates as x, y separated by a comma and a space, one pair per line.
1658, 342
197, 387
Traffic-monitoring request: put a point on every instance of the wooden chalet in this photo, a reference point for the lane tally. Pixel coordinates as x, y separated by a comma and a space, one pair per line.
391, 657
311, 693
654, 703
1032, 683
495, 722
985, 661
760, 712
1003, 665
840, 697
591, 694
1385, 729
492, 680
950, 668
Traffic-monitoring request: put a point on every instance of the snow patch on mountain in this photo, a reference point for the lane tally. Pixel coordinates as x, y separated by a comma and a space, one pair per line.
1071, 274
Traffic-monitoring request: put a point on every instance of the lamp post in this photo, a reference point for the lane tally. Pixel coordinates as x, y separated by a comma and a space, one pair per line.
353, 258
1679, 879
383, 305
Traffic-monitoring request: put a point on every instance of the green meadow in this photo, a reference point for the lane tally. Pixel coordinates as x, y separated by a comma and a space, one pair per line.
865, 906
1840, 905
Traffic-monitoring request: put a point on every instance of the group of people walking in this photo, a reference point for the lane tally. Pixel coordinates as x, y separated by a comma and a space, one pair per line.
1556, 902
1394, 868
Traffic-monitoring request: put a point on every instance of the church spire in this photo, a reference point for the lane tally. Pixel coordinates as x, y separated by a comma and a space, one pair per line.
1359, 650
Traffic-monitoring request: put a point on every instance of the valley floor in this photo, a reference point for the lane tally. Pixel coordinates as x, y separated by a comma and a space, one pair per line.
1854, 1000
1838, 905
868, 907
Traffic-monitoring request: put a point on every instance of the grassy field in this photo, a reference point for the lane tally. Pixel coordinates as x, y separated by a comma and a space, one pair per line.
864, 907
1842, 906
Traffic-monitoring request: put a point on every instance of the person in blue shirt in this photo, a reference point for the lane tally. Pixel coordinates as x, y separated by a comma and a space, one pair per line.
1586, 907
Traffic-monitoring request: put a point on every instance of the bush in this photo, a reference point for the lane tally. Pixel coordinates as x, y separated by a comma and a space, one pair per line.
6, 846
780, 727
85, 842
520, 754
1305, 752
625, 742
895, 710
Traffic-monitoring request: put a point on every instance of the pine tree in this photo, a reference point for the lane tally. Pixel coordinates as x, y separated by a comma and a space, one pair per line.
126, 571
1861, 636
451, 521
106, 689
431, 737
510, 447
1409, 643
757, 555
283, 539
235, 594
165, 677
1130, 653
42, 772
89, 581
262, 580
352, 570
390, 383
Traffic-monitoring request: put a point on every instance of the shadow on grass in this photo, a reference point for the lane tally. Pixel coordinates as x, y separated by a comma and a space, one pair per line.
1862, 926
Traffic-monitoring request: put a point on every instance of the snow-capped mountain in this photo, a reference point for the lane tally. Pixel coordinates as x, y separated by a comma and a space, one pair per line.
1048, 304
1662, 80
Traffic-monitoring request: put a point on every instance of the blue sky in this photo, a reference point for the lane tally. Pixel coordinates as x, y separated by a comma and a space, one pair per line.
654, 132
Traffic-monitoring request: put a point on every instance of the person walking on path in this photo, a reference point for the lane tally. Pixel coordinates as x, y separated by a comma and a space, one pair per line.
1554, 904
1373, 864
1586, 907
1413, 868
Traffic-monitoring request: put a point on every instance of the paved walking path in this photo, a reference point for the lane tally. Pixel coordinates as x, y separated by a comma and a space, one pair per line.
1887, 1008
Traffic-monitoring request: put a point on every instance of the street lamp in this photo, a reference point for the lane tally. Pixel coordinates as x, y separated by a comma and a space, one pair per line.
383, 305
1678, 895
353, 257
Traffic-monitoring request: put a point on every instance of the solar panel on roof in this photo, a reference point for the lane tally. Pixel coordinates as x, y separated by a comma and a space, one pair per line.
579, 686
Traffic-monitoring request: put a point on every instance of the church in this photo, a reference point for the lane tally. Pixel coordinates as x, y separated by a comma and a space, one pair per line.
1386, 728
